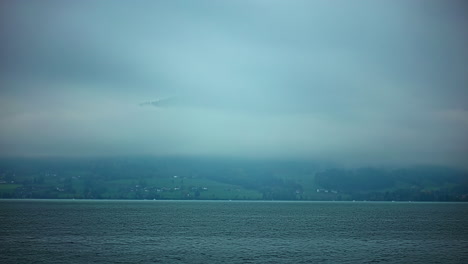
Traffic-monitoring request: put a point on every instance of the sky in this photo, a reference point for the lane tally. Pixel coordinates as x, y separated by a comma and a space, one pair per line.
352, 82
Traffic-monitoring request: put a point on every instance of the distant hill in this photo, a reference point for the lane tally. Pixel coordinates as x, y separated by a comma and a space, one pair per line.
197, 178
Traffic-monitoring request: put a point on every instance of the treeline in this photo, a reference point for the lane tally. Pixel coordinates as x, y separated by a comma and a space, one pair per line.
150, 178
409, 184
210, 178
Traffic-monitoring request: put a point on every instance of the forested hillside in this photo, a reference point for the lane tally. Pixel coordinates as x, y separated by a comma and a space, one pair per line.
187, 178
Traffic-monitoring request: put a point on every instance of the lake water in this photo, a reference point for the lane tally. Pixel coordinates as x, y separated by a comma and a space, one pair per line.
57, 231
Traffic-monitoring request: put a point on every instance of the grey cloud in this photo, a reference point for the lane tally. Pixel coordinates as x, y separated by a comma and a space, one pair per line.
353, 82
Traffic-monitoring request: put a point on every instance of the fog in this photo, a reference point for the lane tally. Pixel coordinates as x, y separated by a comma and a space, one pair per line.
352, 82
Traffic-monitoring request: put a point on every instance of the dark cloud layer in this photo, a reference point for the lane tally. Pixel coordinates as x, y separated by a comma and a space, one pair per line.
352, 82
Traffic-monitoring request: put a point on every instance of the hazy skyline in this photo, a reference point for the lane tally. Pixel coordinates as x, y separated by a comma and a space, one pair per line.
353, 82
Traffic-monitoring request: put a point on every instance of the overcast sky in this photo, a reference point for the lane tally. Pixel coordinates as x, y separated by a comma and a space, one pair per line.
354, 82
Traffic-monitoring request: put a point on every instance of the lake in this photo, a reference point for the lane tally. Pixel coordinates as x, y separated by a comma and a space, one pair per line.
96, 231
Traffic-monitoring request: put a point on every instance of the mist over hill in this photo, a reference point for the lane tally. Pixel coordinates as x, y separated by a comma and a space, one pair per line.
221, 178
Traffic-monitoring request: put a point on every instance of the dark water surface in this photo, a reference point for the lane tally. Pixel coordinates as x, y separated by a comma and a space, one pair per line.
55, 231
